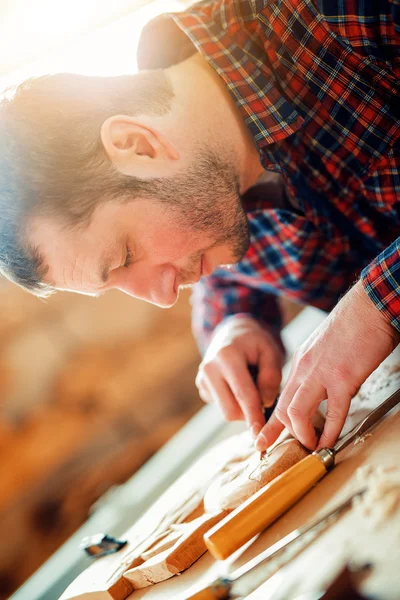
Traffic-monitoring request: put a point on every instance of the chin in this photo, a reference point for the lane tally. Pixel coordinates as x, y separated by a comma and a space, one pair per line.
164, 303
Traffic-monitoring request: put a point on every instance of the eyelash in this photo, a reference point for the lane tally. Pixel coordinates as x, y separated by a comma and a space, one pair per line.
129, 257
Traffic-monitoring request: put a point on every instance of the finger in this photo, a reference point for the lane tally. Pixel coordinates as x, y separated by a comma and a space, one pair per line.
338, 407
269, 433
223, 397
245, 392
200, 378
285, 399
268, 382
202, 387
303, 406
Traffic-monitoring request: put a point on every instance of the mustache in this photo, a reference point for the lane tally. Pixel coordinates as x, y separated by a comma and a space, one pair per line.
188, 275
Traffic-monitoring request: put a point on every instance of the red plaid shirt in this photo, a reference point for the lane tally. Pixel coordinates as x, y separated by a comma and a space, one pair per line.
317, 84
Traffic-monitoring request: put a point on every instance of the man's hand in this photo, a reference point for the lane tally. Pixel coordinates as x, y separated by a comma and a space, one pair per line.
224, 376
332, 364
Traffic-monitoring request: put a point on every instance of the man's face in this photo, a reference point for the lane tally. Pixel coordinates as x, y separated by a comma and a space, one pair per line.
147, 248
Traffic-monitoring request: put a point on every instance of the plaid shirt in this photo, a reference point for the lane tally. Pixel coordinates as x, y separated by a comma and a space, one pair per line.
317, 84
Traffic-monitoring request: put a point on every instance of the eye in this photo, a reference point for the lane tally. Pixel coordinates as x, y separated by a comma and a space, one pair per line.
128, 258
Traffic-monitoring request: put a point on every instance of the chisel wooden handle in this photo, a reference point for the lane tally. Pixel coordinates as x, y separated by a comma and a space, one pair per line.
264, 507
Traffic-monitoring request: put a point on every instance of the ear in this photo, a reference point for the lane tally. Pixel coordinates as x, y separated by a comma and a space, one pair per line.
135, 148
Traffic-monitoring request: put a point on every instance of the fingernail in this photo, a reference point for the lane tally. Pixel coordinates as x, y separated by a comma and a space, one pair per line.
261, 443
267, 400
255, 429
269, 397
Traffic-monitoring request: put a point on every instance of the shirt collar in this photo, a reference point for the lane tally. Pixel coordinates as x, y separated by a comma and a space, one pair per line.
226, 34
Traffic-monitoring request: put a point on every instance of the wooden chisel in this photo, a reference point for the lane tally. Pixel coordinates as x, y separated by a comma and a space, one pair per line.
224, 587
271, 501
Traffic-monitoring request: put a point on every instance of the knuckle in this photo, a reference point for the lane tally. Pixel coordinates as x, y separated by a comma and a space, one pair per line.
295, 410
224, 354
334, 413
302, 357
303, 362
281, 415
341, 374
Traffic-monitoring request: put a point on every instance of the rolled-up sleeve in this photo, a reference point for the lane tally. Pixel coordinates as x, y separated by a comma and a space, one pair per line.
381, 281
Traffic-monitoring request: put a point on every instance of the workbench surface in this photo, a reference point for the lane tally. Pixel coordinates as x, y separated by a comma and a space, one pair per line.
350, 538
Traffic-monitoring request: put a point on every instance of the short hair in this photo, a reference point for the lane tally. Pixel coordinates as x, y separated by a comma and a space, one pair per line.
53, 162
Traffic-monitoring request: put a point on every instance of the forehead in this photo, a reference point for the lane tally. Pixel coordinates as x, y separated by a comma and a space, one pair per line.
53, 233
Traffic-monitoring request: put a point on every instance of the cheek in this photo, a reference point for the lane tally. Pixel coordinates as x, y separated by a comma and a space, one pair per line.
168, 243
161, 234
221, 255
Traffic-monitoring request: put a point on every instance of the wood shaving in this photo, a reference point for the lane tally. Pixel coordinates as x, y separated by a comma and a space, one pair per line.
382, 497
361, 439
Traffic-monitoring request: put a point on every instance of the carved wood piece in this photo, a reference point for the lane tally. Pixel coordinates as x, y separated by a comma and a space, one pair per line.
237, 485
186, 550
169, 537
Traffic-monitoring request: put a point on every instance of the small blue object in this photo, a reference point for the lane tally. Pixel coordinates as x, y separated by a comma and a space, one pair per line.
101, 544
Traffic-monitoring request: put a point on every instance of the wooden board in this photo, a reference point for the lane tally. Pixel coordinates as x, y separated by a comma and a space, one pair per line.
182, 502
169, 537
327, 493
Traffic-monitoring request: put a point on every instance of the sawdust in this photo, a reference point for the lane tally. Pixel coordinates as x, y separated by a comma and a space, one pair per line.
382, 496
361, 439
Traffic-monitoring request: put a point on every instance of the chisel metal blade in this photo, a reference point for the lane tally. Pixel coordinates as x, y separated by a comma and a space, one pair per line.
223, 587
370, 420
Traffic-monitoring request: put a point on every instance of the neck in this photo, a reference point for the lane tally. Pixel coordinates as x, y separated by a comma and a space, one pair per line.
200, 91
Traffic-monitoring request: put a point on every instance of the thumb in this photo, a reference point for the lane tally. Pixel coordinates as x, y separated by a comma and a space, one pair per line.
269, 434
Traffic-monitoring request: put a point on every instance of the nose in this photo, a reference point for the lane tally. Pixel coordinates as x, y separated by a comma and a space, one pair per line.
156, 285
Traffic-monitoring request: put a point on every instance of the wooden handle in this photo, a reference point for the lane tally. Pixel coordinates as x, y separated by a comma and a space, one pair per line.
264, 507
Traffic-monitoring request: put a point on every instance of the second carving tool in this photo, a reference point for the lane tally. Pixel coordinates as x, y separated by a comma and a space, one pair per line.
271, 501
224, 587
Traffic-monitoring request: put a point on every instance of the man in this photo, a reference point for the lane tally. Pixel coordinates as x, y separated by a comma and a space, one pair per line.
147, 183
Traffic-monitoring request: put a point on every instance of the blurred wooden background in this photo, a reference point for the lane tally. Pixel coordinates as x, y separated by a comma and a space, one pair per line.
89, 390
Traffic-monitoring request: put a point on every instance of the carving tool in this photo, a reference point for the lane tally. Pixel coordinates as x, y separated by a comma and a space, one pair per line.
267, 410
271, 501
224, 587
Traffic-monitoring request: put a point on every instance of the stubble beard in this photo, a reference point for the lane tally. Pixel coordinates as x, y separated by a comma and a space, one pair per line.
206, 200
